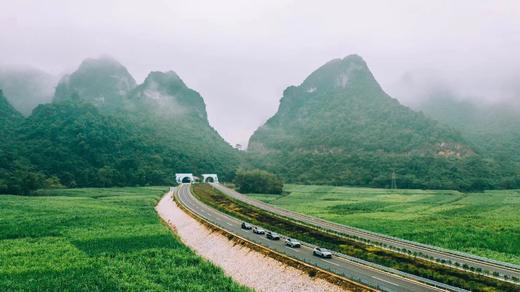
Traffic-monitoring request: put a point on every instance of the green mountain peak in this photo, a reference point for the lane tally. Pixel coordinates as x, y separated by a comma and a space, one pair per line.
166, 94
340, 127
339, 74
102, 81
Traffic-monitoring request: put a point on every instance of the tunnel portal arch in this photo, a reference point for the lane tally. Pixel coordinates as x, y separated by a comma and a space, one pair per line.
184, 178
210, 178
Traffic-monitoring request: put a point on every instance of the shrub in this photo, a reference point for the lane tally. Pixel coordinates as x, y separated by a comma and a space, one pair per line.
258, 181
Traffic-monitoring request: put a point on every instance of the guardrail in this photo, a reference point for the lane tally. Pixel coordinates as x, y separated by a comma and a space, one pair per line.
346, 275
381, 237
309, 264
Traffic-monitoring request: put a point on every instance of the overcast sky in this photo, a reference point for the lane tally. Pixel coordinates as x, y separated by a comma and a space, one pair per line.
240, 55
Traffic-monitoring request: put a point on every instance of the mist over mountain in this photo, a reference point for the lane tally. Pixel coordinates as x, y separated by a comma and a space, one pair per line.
471, 117
417, 87
103, 130
103, 82
177, 116
494, 130
488, 119
166, 94
340, 127
337, 127
26, 87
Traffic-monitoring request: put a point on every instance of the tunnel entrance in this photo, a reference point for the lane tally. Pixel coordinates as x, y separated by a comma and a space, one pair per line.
184, 178
210, 178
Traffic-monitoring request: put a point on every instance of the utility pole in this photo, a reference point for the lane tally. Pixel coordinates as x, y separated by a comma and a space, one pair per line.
394, 183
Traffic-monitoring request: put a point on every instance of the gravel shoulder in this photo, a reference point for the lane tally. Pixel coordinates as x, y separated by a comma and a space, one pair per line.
244, 265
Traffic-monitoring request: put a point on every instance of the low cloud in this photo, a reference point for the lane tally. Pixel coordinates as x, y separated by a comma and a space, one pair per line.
240, 55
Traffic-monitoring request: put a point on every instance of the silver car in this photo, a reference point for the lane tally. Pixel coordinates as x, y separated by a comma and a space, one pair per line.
258, 230
322, 252
292, 242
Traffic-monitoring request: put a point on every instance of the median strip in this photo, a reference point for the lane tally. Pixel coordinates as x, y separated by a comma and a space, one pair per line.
398, 261
311, 270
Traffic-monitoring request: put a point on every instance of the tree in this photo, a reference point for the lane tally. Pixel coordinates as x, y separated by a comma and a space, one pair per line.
258, 181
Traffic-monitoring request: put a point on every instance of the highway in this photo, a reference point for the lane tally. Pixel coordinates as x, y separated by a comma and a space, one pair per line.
368, 275
453, 256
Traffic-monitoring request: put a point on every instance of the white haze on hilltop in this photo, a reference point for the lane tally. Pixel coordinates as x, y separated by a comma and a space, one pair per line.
241, 55
26, 86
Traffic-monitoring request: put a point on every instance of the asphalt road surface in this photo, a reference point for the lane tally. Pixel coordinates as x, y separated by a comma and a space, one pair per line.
474, 261
358, 272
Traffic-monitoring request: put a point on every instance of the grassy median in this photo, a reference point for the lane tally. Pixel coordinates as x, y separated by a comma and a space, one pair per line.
485, 224
410, 264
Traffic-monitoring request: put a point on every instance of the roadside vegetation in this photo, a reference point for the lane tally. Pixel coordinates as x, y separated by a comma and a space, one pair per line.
258, 181
97, 240
406, 263
483, 223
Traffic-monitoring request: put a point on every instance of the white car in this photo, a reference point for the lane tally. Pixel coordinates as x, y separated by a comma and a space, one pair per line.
258, 230
322, 252
292, 242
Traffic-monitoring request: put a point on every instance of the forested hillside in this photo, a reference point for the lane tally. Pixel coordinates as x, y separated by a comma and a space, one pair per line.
16, 172
9, 118
102, 130
494, 130
176, 115
340, 127
82, 147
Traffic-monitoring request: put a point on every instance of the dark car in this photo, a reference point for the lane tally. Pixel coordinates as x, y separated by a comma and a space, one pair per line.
272, 235
246, 226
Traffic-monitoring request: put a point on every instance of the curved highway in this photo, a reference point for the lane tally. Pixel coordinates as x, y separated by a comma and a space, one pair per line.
474, 261
356, 271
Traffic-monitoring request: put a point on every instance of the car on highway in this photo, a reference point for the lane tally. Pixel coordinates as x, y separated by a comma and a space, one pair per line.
322, 252
258, 230
272, 235
246, 226
292, 242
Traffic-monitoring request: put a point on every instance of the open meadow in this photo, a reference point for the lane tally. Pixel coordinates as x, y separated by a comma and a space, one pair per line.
485, 224
97, 239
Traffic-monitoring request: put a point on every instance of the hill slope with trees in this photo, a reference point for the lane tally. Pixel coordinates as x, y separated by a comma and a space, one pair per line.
108, 132
340, 127
9, 117
494, 130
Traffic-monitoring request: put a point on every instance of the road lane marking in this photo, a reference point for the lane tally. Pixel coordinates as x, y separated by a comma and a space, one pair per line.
385, 281
229, 224
333, 263
343, 228
224, 216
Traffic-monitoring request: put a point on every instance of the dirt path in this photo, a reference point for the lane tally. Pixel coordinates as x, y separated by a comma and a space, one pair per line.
244, 265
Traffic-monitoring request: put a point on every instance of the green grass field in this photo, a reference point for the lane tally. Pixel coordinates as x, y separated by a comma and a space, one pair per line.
485, 224
97, 239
